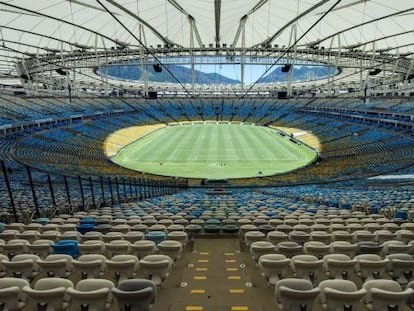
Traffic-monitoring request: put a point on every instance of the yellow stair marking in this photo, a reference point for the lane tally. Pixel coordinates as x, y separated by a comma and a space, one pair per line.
239, 308
229, 254
202, 260
201, 269
234, 277
230, 260
198, 291
232, 269
204, 253
194, 308
202, 277
236, 291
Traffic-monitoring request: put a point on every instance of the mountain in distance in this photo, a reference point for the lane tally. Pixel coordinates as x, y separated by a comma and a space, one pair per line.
183, 74
300, 73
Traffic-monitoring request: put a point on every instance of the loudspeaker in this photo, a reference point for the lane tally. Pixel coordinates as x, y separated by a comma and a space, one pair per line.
374, 72
286, 67
25, 77
157, 67
61, 72
152, 95
282, 94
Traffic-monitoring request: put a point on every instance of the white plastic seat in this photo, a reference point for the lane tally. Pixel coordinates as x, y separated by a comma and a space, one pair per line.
395, 247
316, 248
342, 235
368, 247
56, 265
12, 297
92, 295
363, 235
343, 247
70, 235
133, 236
112, 236
143, 248
299, 237
273, 267
122, 267
29, 235
49, 293
370, 266
295, 294
253, 236
385, 295
14, 226
338, 266
90, 266
156, 267
3, 270
15, 247
22, 266
405, 235
400, 267
180, 236
180, 226
91, 235
353, 227
410, 299
53, 235
171, 248
8, 235
260, 248
41, 248
306, 267
289, 249
92, 247
340, 295
122, 228
276, 236
117, 247
321, 236
382, 236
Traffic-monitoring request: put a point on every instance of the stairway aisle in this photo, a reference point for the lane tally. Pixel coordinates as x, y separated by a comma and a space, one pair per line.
216, 276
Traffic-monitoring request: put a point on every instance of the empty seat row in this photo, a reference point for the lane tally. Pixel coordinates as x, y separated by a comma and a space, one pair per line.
381, 238
155, 267
274, 267
58, 294
375, 295
152, 242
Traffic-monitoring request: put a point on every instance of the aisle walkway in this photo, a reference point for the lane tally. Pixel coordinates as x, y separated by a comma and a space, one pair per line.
215, 276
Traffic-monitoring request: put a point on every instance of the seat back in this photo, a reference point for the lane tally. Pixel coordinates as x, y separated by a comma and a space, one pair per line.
12, 297
69, 247
340, 295
385, 295
135, 295
93, 294
49, 294
295, 294
157, 267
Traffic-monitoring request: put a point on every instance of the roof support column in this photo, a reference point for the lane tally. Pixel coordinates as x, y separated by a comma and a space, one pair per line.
408, 76
291, 60
243, 57
144, 62
192, 55
331, 75
217, 14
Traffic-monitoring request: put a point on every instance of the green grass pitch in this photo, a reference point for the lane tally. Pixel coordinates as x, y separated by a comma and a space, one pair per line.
214, 151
